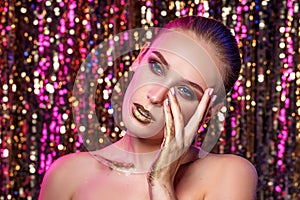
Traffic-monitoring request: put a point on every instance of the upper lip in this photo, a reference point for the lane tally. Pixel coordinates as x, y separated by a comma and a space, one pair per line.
144, 111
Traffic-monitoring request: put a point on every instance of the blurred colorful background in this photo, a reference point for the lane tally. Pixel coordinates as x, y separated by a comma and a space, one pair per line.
44, 42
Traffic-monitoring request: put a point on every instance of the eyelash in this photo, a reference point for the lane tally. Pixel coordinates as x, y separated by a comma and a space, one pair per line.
160, 72
183, 90
153, 64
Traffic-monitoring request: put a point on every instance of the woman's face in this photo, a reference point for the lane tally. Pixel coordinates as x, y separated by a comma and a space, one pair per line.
176, 61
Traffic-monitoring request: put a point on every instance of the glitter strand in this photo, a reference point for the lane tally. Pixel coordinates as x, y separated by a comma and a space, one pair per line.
44, 43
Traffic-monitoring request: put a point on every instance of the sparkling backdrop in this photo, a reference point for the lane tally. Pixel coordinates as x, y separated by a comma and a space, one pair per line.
44, 42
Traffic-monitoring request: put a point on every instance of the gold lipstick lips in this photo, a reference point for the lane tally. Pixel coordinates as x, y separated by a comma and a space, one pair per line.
141, 113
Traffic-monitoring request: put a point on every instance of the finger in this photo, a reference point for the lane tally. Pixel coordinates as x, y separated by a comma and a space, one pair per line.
169, 127
177, 115
207, 109
201, 111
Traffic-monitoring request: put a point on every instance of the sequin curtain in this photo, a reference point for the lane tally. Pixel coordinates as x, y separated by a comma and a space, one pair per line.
44, 42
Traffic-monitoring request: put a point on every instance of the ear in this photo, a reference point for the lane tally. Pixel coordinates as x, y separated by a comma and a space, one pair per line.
142, 52
213, 111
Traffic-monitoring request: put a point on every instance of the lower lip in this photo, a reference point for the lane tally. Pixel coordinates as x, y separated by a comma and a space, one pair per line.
141, 118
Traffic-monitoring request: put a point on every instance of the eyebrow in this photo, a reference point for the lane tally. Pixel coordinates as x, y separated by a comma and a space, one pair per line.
195, 85
161, 57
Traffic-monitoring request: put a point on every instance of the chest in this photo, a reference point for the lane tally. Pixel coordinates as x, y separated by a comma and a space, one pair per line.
112, 185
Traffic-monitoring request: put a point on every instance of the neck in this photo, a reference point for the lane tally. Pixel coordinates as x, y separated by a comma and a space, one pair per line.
130, 154
139, 145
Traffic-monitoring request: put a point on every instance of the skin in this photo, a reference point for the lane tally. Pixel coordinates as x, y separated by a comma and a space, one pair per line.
175, 171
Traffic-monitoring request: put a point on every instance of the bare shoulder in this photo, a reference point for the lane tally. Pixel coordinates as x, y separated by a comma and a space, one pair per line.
227, 177
64, 174
70, 163
230, 163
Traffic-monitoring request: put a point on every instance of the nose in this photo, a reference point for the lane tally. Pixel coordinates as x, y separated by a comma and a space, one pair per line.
157, 94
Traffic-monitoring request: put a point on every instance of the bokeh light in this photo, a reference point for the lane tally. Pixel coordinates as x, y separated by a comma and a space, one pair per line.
43, 44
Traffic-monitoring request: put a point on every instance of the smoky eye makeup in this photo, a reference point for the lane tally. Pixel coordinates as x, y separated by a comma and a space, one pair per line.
186, 92
156, 67
186, 89
158, 63
191, 90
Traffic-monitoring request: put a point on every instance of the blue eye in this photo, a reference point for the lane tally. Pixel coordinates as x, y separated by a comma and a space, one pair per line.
186, 92
156, 68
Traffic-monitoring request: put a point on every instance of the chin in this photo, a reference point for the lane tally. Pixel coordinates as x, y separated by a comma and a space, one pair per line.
137, 126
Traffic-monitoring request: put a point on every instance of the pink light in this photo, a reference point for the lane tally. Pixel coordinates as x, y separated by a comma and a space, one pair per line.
233, 124
70, 42
88, 26
44, 130
60, 55
287, 102
73, 5
52, 136
290, 58
200, 7
202, 129
42, 157
41, 49
83, 36
239, 10
233, 133
232, 148
106, 105
77, 144
244, 29
46, 43
240, 91
278, 188
63, 29
62, 101
52, 126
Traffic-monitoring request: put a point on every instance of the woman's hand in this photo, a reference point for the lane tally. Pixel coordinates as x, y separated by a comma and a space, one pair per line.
177, 141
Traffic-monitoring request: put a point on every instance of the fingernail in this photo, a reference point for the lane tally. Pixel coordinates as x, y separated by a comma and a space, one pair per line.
166, 101
213, 98
172, 91
211, 91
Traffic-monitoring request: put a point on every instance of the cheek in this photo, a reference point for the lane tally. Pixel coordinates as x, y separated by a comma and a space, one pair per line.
188, 109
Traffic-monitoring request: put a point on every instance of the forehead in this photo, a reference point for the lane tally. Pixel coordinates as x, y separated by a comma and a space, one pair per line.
181, 49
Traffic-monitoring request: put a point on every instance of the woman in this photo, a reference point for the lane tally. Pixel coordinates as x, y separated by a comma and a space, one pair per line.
179, 82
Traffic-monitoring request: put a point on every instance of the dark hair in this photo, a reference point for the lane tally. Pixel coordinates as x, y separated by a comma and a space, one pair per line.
214, 32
